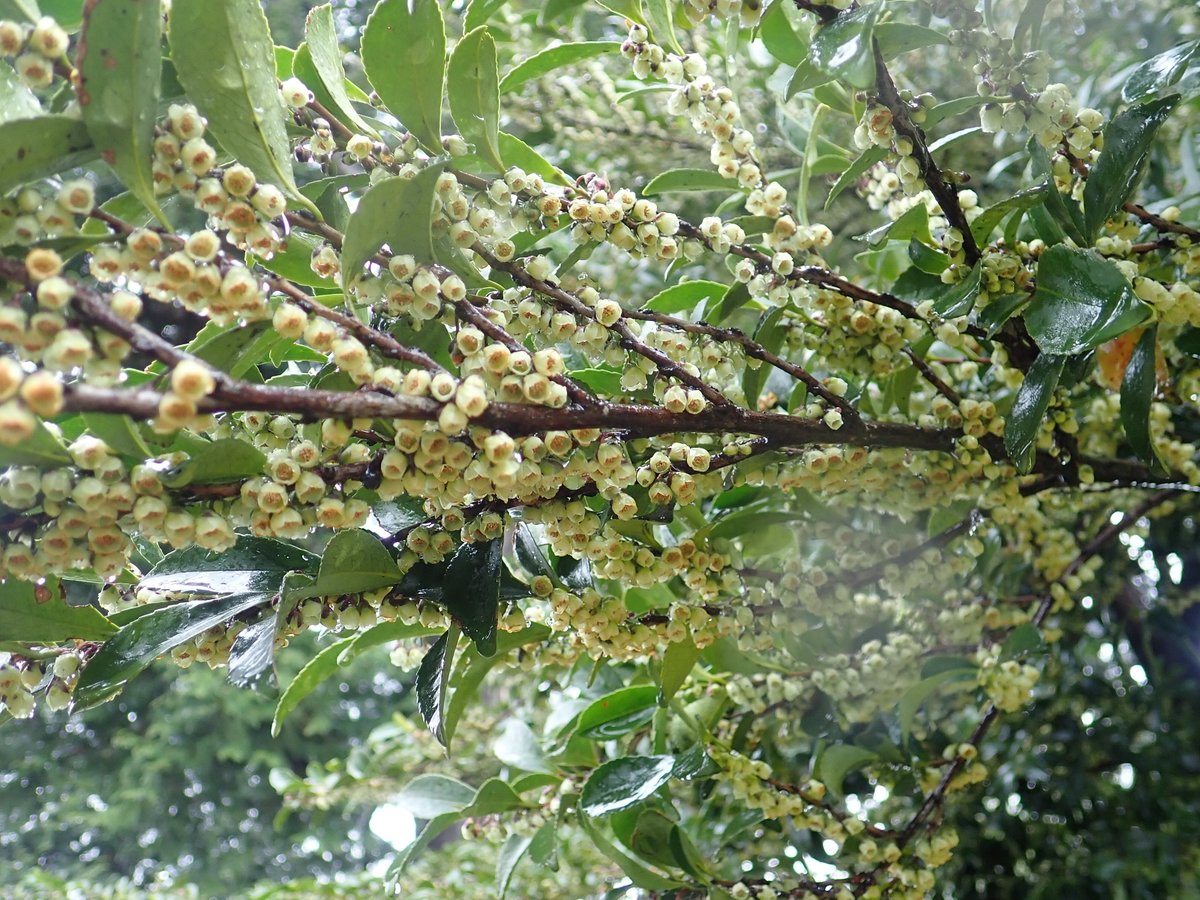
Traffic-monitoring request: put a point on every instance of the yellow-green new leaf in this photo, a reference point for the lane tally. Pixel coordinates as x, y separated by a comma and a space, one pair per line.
404, 53
230, 76
474, 84
120, 69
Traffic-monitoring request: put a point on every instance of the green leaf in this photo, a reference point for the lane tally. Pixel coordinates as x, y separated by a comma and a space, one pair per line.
475, 93
857, 169
1030, 20
252, 565
662, 27
229, 73
120, 433
843, 48
354, 561
222, 461
253, 651
912, 699
323, 53
380, 634
685, 297
429, 796
471, 591
734, 298
637, 873
1000, 310
1159, 71
958, 299
1082, 300
1114, 175
1137, 395
679, 180
404, 53
805, 77
896, 38
678, 661
397, 212
433, 682
780, 38
914, 223
316, 670
991, 217
618, 713
120, 65
43, 450
516, 152
474, 667
514, 849
554, 58
837, 761
622, 783
26, 618
1029, 410
16, 100
925, 258
601, 381
1022, 641
23, 9
518, 747
951, 108
1062, 208
136, 645
36, 147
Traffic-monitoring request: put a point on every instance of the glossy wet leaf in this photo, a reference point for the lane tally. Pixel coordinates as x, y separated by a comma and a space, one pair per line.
1159, 71
618, 713
35, 147
397, 212
1082, 300
120, 62
1061, 208
136, 645
990, 218
253, 651
40, 614
1115, 174
552, 58
16, 100
843, 48
254, 564
1137, 396
471, 591
474, 89
433, 682
404, 53
325, 56
230, 76
1023, 423
354, 561
958, 299
622, 783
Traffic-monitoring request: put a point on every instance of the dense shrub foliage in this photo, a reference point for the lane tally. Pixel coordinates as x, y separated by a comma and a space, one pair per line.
728, 413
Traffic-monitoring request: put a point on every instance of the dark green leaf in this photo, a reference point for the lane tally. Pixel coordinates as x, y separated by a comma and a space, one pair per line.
120, 62
991, 217
637, 873
34, 148
471, 591
685, 297
1062, 208
622, 783
25, 618
1082, 300
680, 180
400, 513
1022, 641
544, 849
222, 461
1159, 72
1029, 410
474, 667
780, 39
433, 682
805, 77
323, 53
554, 58
230, 75
475, 93
1000, 310
1137, 395
1127, 141
926, 258
735, 297
837, 761
958, 299
253, 565
843, 48
354, 561
404, 53
397, 212
914, 223
136, 645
